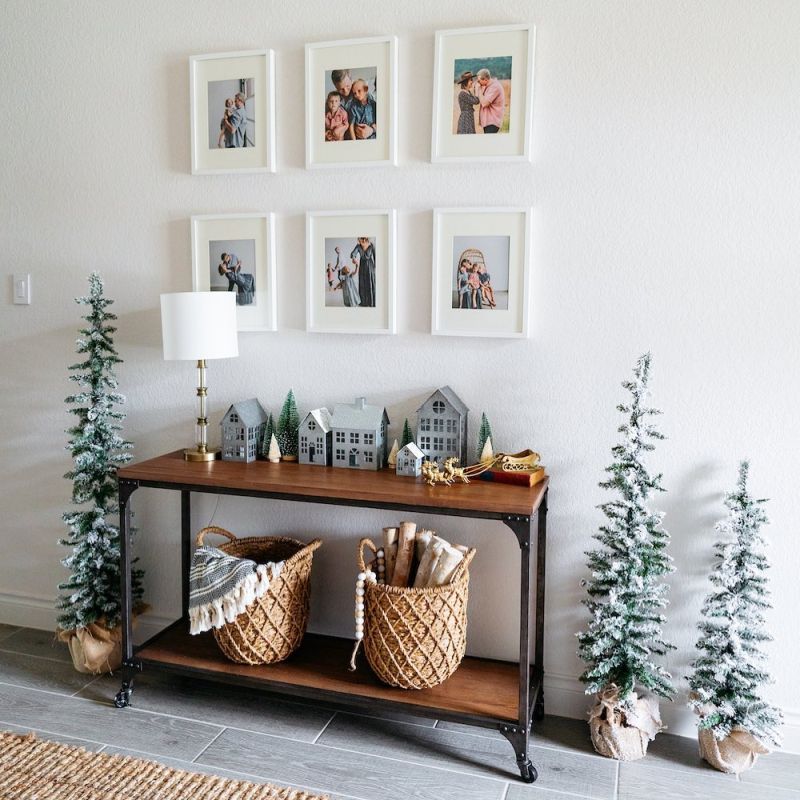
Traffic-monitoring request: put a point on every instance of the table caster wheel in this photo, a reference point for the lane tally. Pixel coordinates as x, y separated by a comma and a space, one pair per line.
122, 699
528, 772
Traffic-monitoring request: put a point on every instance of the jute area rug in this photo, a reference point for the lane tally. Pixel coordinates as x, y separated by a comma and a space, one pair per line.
33, 769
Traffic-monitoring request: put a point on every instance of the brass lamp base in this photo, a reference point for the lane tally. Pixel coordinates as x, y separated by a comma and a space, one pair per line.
195, 454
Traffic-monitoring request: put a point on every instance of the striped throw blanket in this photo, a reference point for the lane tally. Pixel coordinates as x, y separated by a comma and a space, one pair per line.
222, 586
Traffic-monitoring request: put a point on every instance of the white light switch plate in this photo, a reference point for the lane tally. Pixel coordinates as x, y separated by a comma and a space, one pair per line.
22, 289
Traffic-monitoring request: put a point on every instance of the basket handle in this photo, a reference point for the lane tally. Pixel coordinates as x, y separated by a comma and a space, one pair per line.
360, 557
463, 564
213, 529
313, 545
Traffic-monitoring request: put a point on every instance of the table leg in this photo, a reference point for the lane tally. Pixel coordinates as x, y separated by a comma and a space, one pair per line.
186, 547
125, 489
541, 555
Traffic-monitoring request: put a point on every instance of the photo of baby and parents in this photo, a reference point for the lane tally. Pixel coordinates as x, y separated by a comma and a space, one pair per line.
351, 106
480, 272
231, 266
350, 272
231, 119
482, 95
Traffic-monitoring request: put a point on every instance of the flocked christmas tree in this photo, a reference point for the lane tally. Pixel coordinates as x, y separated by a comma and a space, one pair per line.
92, 592
484, 433
288, 426
407, 435
729, 675
625, 590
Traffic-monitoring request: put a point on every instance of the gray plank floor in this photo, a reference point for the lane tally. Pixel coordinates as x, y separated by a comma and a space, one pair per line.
255, 736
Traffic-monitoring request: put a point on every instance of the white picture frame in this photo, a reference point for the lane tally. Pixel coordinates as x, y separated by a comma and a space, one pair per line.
330, 291
373, 60
507, 51
214, 80
499, 239
253, 235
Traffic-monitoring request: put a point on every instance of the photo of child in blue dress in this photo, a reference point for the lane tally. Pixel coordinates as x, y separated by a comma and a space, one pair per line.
351, 107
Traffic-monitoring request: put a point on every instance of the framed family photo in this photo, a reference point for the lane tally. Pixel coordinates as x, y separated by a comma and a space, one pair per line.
236, 253
232, 100
351, 103
483, 94
350, 271
481, 272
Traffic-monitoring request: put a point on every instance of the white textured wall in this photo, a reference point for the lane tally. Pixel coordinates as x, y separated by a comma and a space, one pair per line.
664, 183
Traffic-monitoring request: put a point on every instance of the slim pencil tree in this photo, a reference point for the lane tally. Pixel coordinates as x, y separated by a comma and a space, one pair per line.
288, 426
92, 592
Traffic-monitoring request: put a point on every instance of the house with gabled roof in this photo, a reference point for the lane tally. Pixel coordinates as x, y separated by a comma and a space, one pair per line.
409, 461
359, 435
242, 428
315, 437
442, 426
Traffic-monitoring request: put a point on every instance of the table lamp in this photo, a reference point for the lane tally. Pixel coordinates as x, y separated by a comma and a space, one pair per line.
197, 326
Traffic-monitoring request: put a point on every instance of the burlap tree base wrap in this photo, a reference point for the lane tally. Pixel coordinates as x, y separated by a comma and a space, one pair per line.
94, 649
624, 735
733, 754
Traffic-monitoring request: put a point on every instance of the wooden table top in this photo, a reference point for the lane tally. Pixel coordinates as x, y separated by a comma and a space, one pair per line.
307, 483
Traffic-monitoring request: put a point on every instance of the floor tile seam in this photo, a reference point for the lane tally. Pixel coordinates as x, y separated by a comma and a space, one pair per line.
203, 750
324, 727
87, 685
616, 782
64, 661
356, 713
36, 729
42, 691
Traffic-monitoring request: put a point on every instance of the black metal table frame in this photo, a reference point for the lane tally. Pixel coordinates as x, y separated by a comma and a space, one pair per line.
528, 531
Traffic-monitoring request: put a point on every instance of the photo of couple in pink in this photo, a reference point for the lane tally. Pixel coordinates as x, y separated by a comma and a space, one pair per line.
350, 272
482, 95
351, 106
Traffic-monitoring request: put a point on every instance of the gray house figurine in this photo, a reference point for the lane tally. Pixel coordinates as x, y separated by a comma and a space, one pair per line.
242, 429
315, 437
409, 461
442, 426
359, 435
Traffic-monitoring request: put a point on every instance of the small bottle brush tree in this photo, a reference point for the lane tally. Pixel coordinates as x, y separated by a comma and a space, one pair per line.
625, 590
91, 595
288, 427
484, 433
729, 675
407, 436
269, 429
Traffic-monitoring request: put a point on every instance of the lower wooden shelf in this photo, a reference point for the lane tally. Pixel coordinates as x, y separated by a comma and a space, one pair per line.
482, 691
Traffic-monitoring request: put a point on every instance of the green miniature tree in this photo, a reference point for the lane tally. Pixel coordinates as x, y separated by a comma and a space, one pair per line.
729, 676
288, 426
407, 435
269, 429
92, 592
484, 432
625, 590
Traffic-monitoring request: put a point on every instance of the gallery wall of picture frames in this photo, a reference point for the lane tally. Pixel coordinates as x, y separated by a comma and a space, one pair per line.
482, 111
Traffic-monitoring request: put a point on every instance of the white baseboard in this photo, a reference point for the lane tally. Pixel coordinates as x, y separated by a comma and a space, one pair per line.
564, 694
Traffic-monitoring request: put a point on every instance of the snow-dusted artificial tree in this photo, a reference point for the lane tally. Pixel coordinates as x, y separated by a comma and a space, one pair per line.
407, 435
626, 593
484, 433
729, 676
91, 595
288, 427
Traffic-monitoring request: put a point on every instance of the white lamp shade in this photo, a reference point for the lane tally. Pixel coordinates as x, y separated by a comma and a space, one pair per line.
197, 325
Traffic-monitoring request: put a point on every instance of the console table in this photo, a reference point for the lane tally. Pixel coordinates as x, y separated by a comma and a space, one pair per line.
503, 695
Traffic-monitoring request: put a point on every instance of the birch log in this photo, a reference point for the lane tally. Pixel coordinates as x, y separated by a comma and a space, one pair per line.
449, 558
423, 539
389, 552
405, 554
428, 561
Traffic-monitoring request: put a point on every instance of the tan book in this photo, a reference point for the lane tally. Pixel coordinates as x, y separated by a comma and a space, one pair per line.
389, 553
405, 554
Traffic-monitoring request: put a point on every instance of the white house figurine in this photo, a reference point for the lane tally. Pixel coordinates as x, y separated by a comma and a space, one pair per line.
409, 461
442, 426
242, 428
359, 435
315, 437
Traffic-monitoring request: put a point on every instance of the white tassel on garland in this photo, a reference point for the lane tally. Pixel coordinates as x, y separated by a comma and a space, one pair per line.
222, 586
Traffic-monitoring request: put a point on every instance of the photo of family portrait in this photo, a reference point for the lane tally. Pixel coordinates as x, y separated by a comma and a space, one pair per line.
351, 111
482, 95
232, 268
231, 113
480, 272
350, 272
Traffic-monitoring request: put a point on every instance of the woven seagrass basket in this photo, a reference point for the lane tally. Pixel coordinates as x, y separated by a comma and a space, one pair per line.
415, 638
272, 626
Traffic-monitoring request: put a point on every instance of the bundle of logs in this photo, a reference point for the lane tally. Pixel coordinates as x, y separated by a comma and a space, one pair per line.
417, 558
